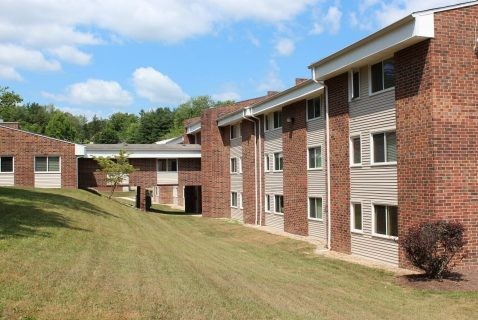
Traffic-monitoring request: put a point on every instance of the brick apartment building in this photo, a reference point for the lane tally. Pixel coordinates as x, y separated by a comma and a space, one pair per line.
382, 137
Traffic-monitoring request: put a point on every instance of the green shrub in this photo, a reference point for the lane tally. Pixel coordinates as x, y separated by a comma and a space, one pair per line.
431, 246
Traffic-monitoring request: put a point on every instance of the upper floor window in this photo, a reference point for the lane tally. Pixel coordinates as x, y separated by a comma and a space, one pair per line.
382, 75
6, 164
236, 131
313, 108
267, 163
355, 151
165, 165
47, 164
279, 204
268, 203
273, 120
234, 165
315, 157
354, 84
386, 220
384, 147
278, 161
315, 208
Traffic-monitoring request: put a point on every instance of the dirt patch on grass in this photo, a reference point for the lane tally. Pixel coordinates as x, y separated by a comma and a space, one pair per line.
463, 280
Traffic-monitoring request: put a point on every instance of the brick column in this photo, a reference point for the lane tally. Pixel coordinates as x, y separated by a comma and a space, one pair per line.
248, 173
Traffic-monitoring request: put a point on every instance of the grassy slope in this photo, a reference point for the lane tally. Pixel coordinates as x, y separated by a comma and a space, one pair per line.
70, 254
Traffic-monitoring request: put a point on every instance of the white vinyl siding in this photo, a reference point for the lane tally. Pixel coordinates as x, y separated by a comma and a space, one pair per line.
368, 183
236, 178
273, 179
316, 179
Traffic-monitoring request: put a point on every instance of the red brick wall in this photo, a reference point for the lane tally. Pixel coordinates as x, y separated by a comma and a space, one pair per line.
189, 175
215, 174
437, 128
165, 194
89, 176
294, 144
248, 173
339, 164
24, 146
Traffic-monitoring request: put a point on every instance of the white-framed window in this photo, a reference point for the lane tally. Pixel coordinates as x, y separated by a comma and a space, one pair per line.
267, 203
313, 108
234, 165
48, 164
315, 157
167, 165
6, 164
385, 220
355, 151
241, 203
278, 161
279, 204
234, 199
273, 120
356, 217
267, 163
235, 131
315, 208
382, 75
354, 84
384, 147
240, 165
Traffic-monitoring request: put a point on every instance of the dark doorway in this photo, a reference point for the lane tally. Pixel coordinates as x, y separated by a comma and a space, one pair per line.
192, 199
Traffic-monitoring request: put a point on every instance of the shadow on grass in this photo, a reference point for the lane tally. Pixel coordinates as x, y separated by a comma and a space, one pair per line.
169, 211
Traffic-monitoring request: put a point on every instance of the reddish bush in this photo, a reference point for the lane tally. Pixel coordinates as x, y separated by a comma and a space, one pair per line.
431, 246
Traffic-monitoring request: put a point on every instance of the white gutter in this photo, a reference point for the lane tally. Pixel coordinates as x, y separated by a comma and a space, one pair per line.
255, 162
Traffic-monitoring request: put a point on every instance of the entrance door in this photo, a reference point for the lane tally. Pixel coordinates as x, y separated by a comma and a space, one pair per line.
192, 199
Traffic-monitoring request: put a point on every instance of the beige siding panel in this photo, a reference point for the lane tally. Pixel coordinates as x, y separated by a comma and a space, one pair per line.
273, 141
317, 230
275, 221
166, 178
316, 131
7, 179
316, 182
236, 214
273, 183
47, 180
372, 184
236, 182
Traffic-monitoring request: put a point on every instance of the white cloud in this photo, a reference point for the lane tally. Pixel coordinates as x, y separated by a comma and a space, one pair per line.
157, 87
88, 114
285, 47
18, 57
72, 55
9, 73
330, 22
94, 92
227, 95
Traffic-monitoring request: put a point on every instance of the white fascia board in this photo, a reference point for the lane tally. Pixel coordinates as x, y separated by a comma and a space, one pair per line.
231, 119
80, 150
406, 32
292, 95
148, 155
193, 128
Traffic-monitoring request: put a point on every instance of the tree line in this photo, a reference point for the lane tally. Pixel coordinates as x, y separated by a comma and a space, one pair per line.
148, 126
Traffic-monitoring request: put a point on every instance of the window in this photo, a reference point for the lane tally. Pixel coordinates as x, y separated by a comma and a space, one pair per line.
267, 163
382, 75
384, 147
166, 165
315, 208
313, 108
354, 84
6, 164
356, 150
240, 201
234, 165
386, 220
234, 199
240, 165
268, 203
315, 158
356, 216
47, 164
277, 120
235, 131
278, 161
267, 120
279, 204
273, 120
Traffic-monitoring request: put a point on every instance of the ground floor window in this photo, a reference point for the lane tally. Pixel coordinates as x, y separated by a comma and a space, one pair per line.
47, 164
234, 199
315, 208
386, 220
268, 203
279, 204
6, 164
356, 216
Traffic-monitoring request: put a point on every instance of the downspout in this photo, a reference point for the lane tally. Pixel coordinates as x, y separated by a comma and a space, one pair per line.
255, 164
260, 167
327, 134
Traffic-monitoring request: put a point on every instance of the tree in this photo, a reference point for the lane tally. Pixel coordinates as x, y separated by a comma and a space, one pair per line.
62, 126
107, 135
154, 124
116, 169
9, 101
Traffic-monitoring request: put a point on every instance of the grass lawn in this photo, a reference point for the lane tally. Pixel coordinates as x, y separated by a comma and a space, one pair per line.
69, 254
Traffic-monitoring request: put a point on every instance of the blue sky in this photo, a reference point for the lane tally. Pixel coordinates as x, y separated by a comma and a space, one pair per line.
99, 57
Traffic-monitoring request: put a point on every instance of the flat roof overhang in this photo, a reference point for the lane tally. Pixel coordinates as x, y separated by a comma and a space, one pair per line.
193, 128
147, 151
